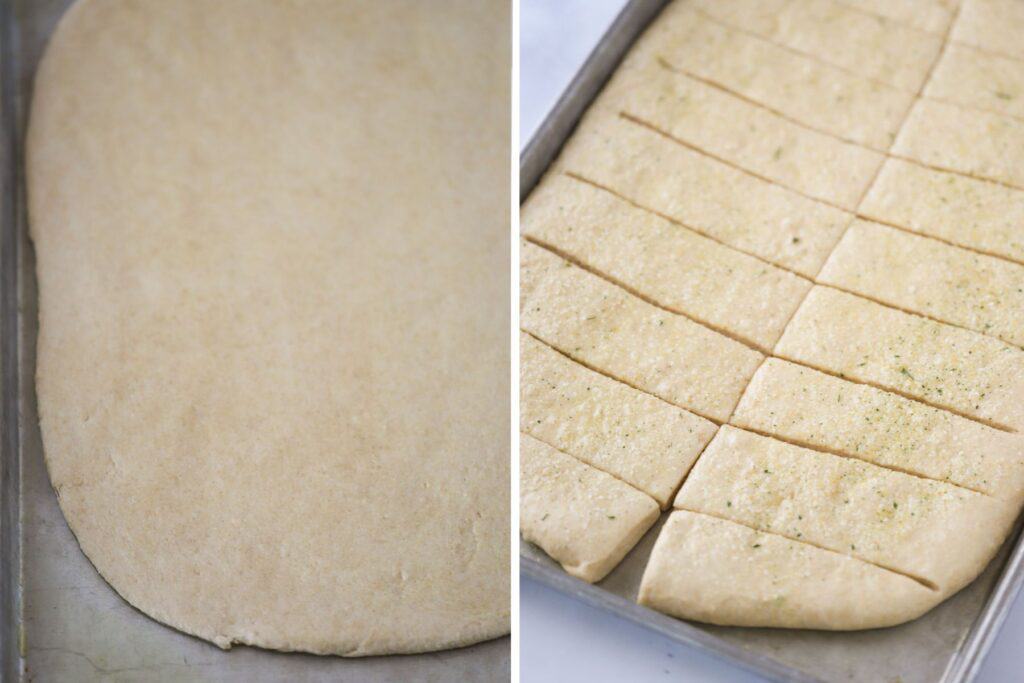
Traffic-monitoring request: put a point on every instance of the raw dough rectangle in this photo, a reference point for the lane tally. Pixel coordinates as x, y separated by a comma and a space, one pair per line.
752, 137
995, 25
965, 211
634, 436
272, 365
699, 561
922, 275
977, 143
814, 409
609, 329
583, 518
971, 77
752, 215
824, 97
946, 366
836, 34
662, 261
895, 520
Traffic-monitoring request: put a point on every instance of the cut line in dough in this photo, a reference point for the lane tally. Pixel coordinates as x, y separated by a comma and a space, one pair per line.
752, 215
971, 213
848, 106
894, 520
978, 144
610, 330
663, 262
634, 436
816, 410
947, 367
927, 277
746, 134
974, 78
836, 35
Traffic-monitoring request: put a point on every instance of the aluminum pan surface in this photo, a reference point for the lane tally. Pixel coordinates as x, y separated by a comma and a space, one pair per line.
73, 626
948, 644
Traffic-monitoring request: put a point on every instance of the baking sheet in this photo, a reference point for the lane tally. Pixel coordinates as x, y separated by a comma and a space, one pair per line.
948, 644
61, 621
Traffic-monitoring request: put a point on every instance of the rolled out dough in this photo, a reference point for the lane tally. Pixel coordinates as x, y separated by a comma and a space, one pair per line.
272, 245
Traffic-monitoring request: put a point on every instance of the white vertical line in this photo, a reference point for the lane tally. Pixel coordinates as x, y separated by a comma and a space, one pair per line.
514, 344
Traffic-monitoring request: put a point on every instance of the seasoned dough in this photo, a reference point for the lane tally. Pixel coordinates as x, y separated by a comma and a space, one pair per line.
921, 275
977, 143
820, 96
747, 213
811, 408
754, 138
273, 350
995, 25
945, 366
870, 489
583, 518
836, 34
965, 211
720, 572
971, 77
895, 520
608, 329
664, 262
634, 436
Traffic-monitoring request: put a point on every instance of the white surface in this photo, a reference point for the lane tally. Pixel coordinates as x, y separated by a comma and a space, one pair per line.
555, 36
561, 639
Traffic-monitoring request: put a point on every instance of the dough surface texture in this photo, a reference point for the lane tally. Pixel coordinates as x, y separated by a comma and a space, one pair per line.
272, 243
582, 517
799, 219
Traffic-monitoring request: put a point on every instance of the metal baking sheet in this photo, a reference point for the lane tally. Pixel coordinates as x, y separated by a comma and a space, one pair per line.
947, 645
61, 621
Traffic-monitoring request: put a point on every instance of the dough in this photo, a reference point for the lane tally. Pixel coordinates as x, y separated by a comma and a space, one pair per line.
633, 436
751, 137
869, 470
965, 211
811, 408
608, 329
969, 373
273, 354
993, 25
894, 520
817, 95
968, 76
977, 143
698, 561
926, 15
836, 34
947, 283
664, 262
583, 518
732, 207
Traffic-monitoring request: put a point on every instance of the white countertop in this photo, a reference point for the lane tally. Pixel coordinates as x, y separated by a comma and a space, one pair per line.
562, 640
